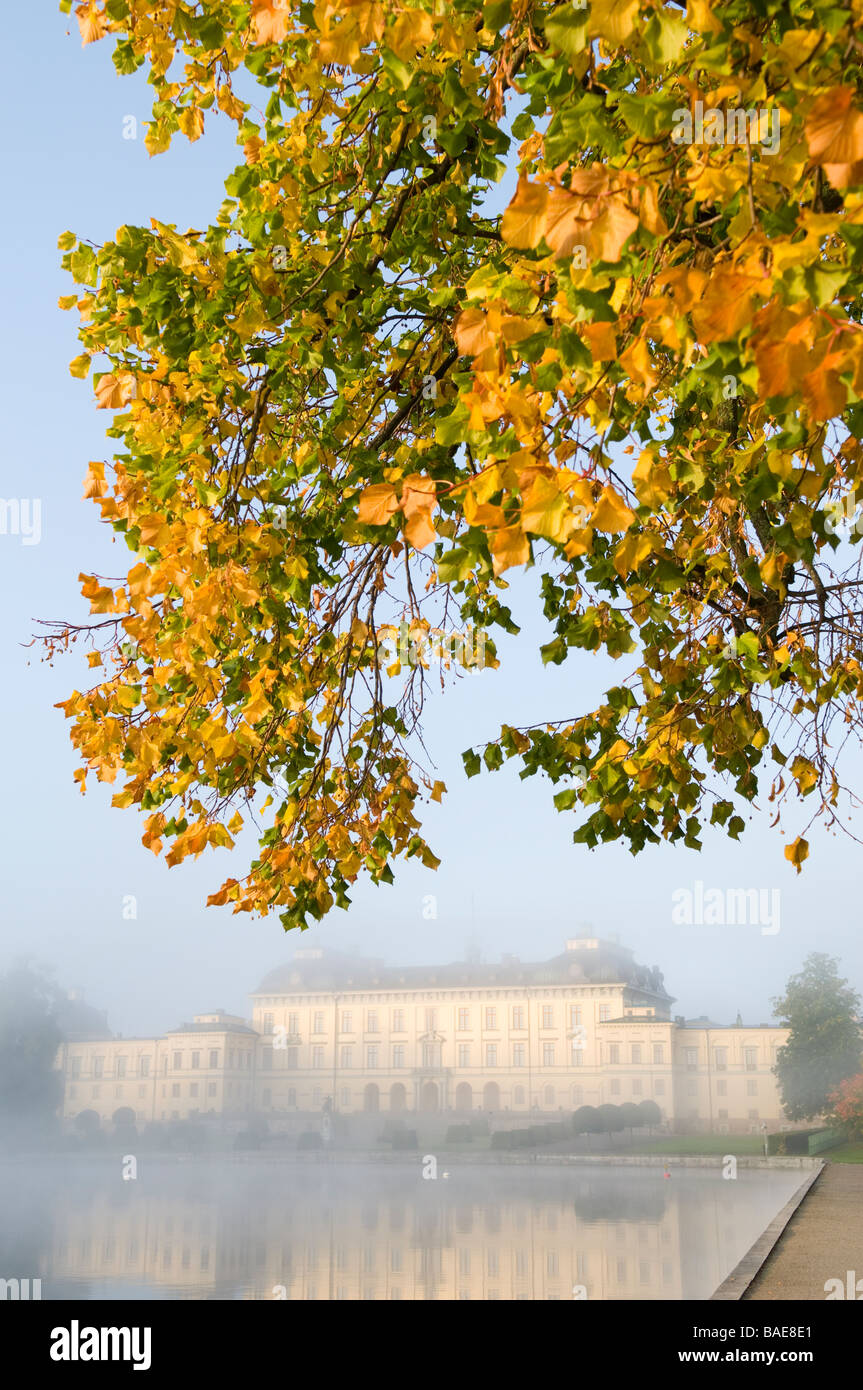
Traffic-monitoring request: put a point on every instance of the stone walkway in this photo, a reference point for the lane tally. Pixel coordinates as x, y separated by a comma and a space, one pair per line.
823, 1240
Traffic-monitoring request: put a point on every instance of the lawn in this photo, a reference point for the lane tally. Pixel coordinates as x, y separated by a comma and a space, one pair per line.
846, 1153
703, 1144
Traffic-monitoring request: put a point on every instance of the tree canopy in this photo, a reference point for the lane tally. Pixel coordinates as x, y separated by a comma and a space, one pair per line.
824, 1045
358, 400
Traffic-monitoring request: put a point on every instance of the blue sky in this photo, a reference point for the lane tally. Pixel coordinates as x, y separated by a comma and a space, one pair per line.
510, 880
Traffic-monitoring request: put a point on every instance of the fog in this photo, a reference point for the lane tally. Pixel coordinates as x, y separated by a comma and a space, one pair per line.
245, 1230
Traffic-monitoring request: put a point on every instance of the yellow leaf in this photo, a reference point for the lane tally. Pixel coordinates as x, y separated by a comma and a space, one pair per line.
545, 511
797, 852
80, 366
524, 220
611, 512
191, 122
438, 790
613, 19
472, 333
509, 547
410, 32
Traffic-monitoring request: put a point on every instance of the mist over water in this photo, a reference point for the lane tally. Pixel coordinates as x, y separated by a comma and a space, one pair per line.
247, 1228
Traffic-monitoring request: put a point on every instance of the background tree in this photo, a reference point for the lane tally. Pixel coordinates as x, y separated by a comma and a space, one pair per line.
357, 400
30, 1088
650, 1114
824, 1045
847, 1103
610, 1119
631, 1115
586, 1120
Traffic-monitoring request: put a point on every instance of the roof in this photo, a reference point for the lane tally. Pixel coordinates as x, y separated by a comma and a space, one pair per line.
320, 971
212, 1028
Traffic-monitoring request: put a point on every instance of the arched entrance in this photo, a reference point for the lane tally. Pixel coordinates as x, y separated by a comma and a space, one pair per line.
398, 1097
463, 1096
371, 1098
491, 1096
124, 1116
429, 1096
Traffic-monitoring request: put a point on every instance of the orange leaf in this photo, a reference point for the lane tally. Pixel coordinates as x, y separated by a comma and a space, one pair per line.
377, 504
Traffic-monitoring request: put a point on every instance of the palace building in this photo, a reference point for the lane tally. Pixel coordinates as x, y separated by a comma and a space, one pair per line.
349, 1033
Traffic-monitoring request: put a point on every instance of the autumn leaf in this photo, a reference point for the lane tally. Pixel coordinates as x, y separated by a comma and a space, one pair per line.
611, 512
271, 20
834, 135
377, 504
797, 852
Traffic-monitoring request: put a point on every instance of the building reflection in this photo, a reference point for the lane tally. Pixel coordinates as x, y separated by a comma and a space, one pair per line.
313, 1235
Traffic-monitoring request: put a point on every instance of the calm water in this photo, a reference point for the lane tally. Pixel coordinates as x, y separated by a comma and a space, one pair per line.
258, 1230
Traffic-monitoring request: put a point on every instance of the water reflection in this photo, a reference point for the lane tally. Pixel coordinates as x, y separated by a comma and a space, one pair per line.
238, 1230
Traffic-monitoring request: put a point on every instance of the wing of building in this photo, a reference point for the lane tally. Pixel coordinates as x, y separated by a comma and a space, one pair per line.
351, 1034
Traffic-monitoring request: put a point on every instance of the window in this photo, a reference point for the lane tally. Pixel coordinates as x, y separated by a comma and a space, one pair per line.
165, 1061
347, 1022
143, 1066
317, 1058
293, 1058
267, 1059
372, 1056
491, 1054
547, 1016
548, 1096
346, 1057
614, 1052
293, 1023
399, 1055
720, 1058
690, 1057
518, 1017
753, 1114
345, 1098
175, 1089
750, 1058
292, 1097
94, 1092
659, 1088
121, 1066
518, 1095
431, 1020
722, 1088
722, 1114
464, 1054
372, 1022
658, 1053
636, 1087
615, 1087
575, 1015
211, 1088
577, 1053
196, 1061
268, 1097
214, 1058
752, 1088
604, 1013
636, 1053
491, 1018
316, 1096
463, 1019
398, 1020
193, 1089
318, 1024
269, 1022
178, 1061
548, 1054
519, 1058
75, 1069
98, 1066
